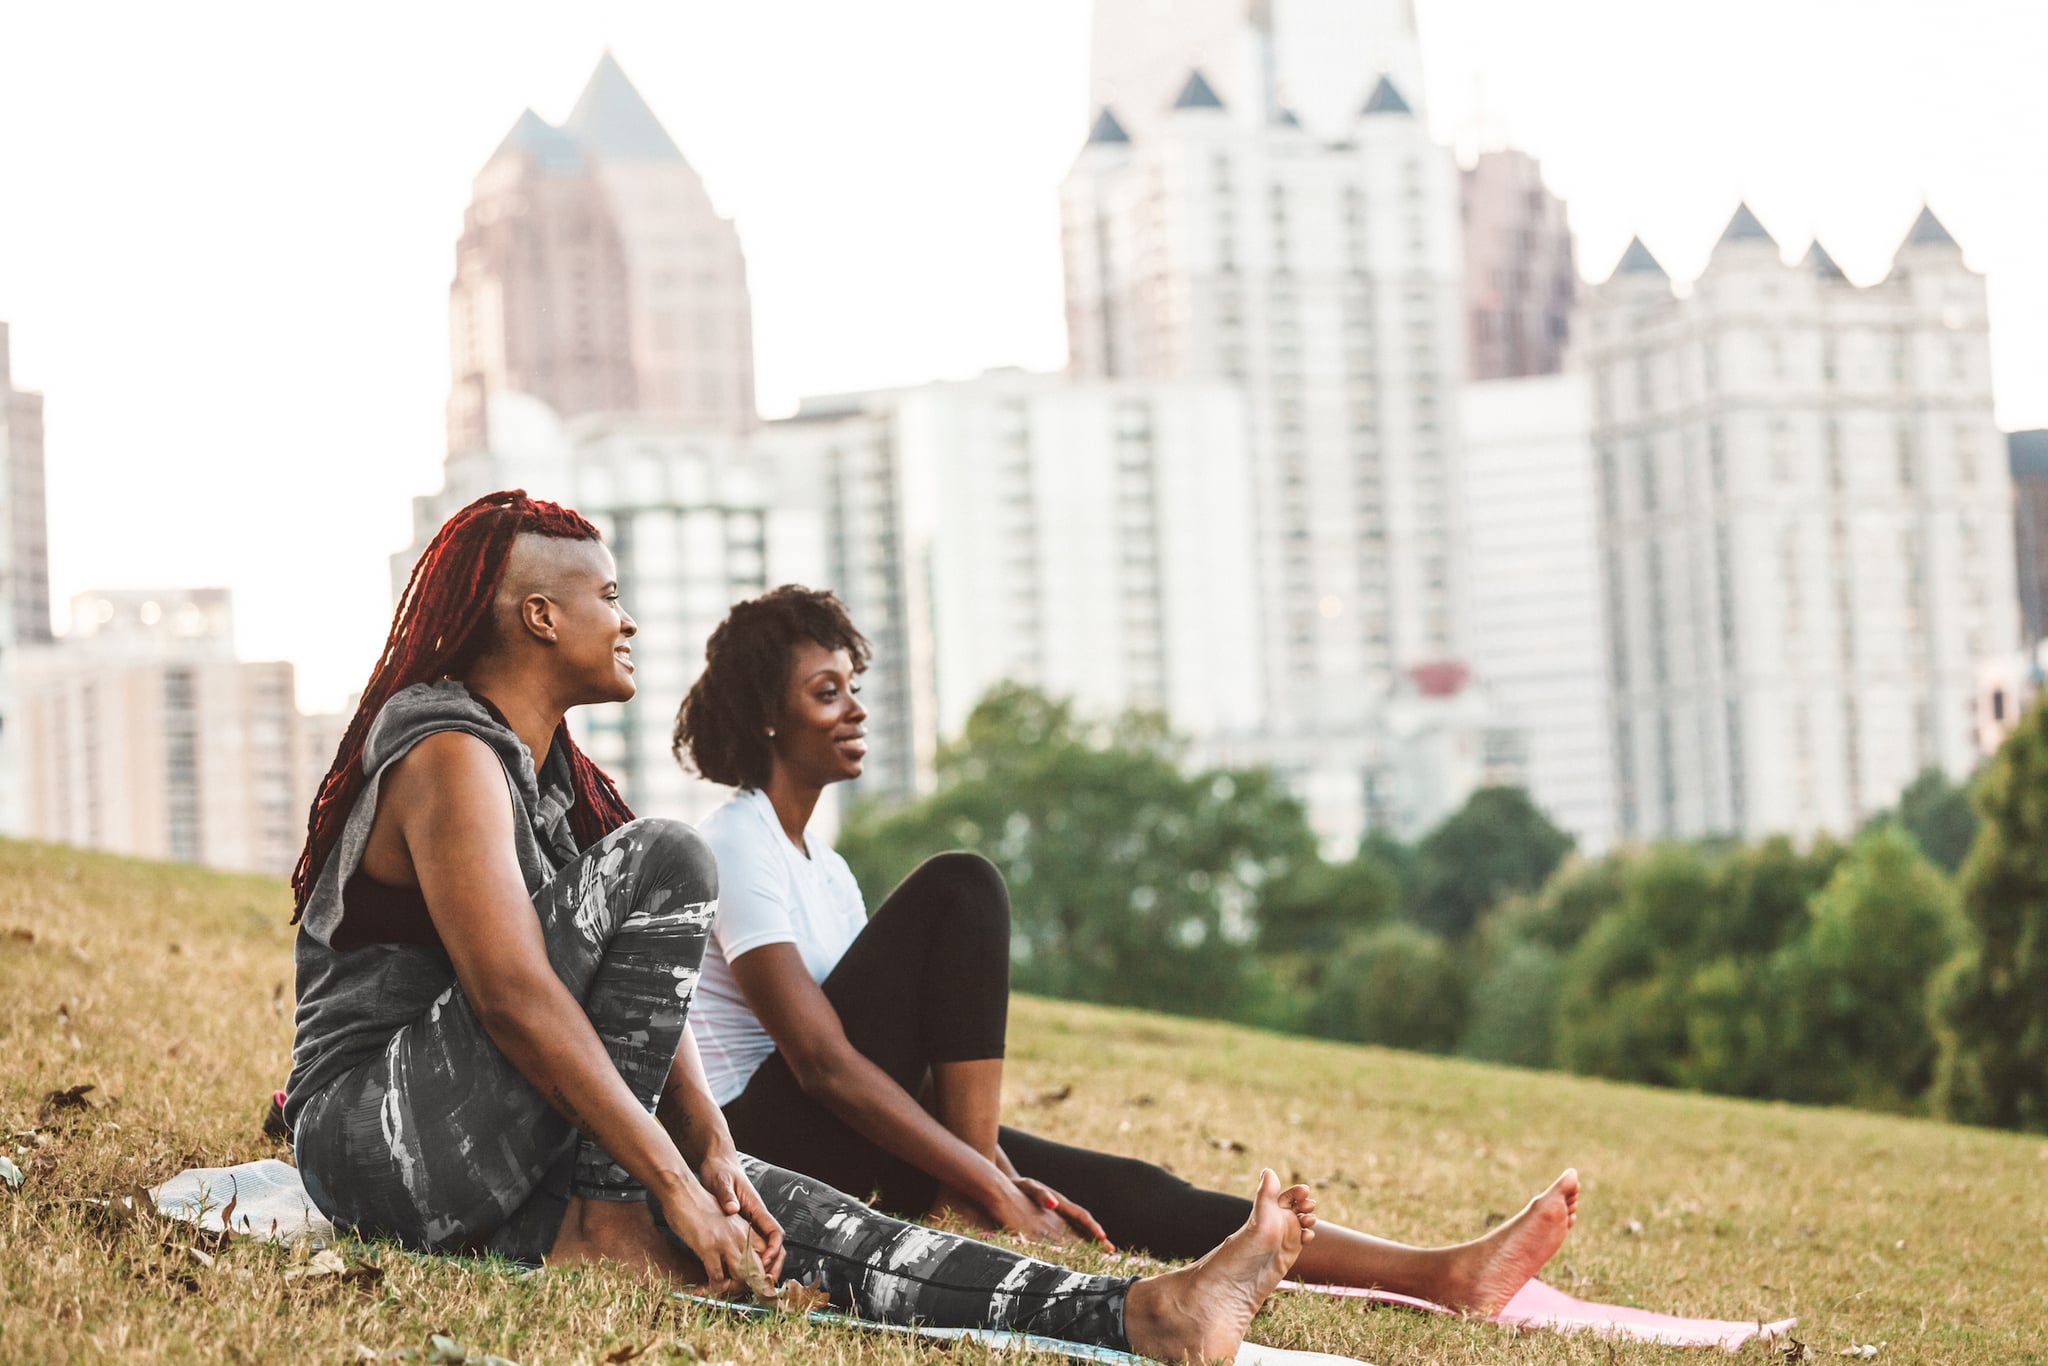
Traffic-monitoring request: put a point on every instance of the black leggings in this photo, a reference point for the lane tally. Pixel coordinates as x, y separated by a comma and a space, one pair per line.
928, 981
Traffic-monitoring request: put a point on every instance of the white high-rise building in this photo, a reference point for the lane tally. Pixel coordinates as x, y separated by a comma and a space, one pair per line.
24, 567
1539, 633
1323, 279
1315, 59
1806, 530
1083, 537
143, 734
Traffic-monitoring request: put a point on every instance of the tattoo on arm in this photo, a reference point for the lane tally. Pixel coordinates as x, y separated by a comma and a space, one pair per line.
560, 1100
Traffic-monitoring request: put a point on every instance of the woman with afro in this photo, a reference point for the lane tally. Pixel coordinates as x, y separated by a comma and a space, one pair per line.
868, 1052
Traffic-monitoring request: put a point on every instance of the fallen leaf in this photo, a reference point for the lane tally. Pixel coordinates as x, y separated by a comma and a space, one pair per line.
71, 1098
1227, 1145
325, 1262
1794, 1351
789, 1297
227, 1213
1053, 1097
626, 1351
19, 935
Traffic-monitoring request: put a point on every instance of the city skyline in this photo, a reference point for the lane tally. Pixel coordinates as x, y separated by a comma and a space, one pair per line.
290, 323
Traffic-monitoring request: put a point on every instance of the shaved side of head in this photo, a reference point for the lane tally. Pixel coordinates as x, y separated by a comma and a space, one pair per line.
546, 566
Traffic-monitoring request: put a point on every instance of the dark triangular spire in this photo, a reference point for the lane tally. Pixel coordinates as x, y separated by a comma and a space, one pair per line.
554, 149
1743, 227
1927, 231
1196, 94
1107, 129
1637, 260
1820, 263
1385, 99
613, 120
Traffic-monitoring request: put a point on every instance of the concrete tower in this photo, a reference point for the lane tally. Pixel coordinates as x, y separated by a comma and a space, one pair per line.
593, 273
1323, 278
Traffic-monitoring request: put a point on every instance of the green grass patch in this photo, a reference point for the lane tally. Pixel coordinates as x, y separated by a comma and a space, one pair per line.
168, 990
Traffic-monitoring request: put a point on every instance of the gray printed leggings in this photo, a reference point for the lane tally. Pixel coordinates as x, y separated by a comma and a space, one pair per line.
439, 1143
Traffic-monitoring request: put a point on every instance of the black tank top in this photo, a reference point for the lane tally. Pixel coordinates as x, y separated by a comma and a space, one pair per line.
374, 912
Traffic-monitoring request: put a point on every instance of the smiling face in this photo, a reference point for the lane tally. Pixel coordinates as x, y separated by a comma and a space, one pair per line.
565, 594
821, 735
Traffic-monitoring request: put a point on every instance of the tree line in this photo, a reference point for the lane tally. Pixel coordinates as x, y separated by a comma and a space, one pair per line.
1904, 968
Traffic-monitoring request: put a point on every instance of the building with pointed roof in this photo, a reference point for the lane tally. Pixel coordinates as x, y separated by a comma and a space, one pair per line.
1637, 260
1744, 227
1196, 94
1318, 58
1385, 99
1316, 268
1805, 532
595, 274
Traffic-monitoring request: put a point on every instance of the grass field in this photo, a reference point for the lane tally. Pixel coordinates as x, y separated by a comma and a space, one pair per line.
168, 991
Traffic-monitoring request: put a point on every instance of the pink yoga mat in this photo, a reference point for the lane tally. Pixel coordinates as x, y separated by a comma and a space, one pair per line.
1537, 1305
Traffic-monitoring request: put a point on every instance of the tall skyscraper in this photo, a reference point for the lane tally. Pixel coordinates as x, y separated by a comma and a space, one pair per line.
594, 274
25, 556
1806, 530
1322, 278
1520, 282
1315, 59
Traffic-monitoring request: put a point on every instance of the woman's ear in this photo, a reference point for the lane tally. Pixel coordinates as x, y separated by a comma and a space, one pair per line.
537, 615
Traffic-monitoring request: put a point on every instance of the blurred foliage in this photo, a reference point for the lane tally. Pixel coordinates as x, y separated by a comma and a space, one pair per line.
1938, 815
1499, 842
1992, 1001
1130, 881
1836, 974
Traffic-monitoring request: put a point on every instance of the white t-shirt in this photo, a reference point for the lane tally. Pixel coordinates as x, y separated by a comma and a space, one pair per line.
768, 893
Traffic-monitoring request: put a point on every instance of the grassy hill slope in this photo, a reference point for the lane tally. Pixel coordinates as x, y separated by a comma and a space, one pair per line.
168, 990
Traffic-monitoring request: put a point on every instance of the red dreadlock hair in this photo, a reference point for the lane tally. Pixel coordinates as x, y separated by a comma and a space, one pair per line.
442, 623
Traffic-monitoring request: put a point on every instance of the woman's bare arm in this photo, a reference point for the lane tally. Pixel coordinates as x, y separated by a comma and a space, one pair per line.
450, 810
808, 1033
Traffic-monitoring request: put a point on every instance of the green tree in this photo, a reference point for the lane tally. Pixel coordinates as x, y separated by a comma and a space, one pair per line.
1856, 986
1938, 815
1513, 1016
1130, 881
1318, 905
1992, 1009
1395, 985
1622, 1002
1498, 843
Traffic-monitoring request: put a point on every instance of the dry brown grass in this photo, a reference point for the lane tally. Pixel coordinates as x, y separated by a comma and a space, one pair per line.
168, 991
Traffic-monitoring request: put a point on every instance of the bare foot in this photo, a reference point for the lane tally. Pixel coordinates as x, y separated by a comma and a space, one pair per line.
1199, 1313
621, 1231
1488, 1271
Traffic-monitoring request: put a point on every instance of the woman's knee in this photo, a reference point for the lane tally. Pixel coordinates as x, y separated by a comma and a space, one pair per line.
967, 884
673, 855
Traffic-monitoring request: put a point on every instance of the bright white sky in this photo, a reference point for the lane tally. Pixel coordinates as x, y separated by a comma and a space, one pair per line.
226, 230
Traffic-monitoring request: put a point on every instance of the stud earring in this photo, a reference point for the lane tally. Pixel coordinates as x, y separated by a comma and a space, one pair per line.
771, 732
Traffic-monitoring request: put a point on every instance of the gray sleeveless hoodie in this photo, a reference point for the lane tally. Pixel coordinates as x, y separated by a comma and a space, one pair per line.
350, 1004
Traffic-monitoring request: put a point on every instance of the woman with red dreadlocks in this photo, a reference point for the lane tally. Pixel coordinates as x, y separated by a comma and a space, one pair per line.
495, 969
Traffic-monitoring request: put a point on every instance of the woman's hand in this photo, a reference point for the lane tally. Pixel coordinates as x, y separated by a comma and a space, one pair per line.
722, 1242
726, 1182
1036, 1210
